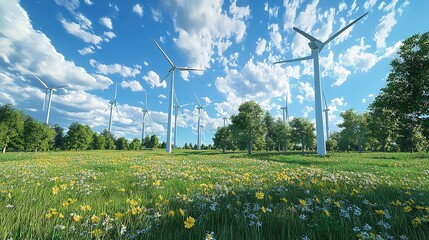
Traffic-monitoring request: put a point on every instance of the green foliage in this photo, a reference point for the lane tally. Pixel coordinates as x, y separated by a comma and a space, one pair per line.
121, 143
354, 131
222, 138
13, 123
79, 137
37, 135
98, 141
109, 139
302, 132
135, 144
248, 125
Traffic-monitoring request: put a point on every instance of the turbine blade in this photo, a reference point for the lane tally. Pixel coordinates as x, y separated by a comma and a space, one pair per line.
150, 116
116, 91
165, 55
324, 98
199, 104
342, 30
162, 80
295, 59
117, 109
306, 35
186, 104
189, 69
41, 81
63, 86
46, 98
175, 97
108, 108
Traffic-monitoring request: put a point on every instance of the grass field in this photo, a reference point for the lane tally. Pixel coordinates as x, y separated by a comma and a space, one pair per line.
209, 195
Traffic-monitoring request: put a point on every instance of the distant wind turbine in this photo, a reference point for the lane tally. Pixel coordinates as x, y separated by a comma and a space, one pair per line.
199, 107
176, 113
145, 111
170, 109
225, 120
112, 103
326, 110
285, 111
316, 46
48, 96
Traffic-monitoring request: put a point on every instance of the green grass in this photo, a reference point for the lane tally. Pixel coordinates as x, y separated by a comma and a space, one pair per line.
141, 194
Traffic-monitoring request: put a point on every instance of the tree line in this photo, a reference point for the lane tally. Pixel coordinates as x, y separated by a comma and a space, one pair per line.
20, 132
397, 119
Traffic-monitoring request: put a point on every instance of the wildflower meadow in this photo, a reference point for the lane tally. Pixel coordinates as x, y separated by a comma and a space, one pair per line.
209, 195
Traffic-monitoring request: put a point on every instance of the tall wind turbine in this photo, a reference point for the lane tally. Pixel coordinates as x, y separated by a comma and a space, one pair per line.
326, 110
176, 113
170, 109
145, 111
225, 120
316, 46
285, 111
199, 107
112, 103
48, 96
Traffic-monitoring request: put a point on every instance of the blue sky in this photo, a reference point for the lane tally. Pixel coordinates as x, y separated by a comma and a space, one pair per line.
93, 44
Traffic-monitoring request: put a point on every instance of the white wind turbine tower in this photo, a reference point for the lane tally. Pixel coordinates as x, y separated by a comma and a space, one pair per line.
199, 107
112, 103
326, 110
48, 95
316, 46
145, 111
170, 109
285, 111
225, 120
176, 113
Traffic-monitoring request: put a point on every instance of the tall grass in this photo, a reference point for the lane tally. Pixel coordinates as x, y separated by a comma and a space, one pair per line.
151, 195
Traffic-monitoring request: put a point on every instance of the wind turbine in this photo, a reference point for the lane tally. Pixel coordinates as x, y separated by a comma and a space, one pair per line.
145, 111
199, 107
176, 112
326, 110
316, 46
225, 120
285, 111
170, 109
112, 103
48, 95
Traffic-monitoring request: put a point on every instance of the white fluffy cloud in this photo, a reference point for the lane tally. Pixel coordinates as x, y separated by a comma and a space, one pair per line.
307, 90
290, 13
260, 46
116, 68
134, 85
153, 79
206, 29
86, 50
384, 27
138, 9
107, 22
272, 11
357, 58
79, 32
156, 14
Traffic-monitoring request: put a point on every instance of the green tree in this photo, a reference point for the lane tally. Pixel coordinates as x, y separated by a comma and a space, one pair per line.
146, 143
270, 135
354, 133
135, 144
154, 142
281, 134
248, 125
121, 143
163, 145
186, 146
109, 139
13, 126
98, 141
79, 137
37, 135
222, 138
302, 132
59, 137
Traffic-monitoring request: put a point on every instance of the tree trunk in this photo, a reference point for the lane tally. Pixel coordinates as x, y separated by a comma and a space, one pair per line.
224, 150
4, 149
302, 146
249, 148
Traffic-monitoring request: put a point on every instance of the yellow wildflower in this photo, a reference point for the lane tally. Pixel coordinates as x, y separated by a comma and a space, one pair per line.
95, 219
9, 196
263, 209
72, 183
171, 213
48, 215
407, 209
259, 195
326, 212
302, 202
157, 182
233, 193
416, 222
396, 203
60, 215
122, 190
118, 215
63, 186
380, 212
284, 200
189, 222
97, 233
76, 217
354, 191
65, 204
55, 190
182, 212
